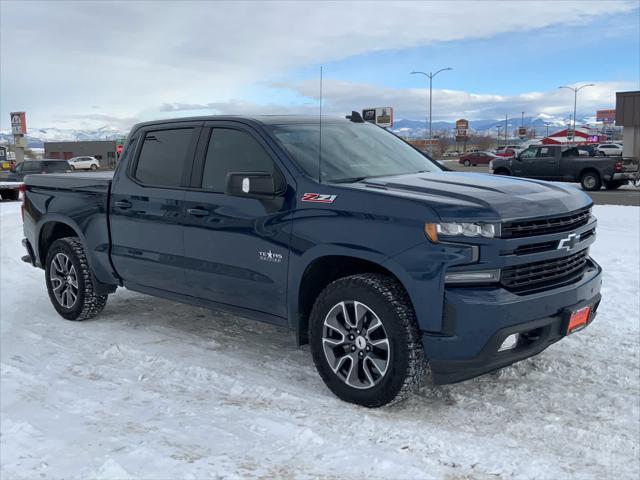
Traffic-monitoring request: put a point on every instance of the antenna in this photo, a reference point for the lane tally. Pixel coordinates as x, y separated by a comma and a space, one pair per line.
320, 133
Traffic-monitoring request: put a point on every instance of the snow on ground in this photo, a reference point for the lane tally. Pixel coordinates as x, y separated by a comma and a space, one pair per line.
154, 389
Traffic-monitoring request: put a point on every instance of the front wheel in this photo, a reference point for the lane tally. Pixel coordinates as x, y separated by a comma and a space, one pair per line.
467, 163
591, 181
365, 340
93, 167
70, 283
72, 168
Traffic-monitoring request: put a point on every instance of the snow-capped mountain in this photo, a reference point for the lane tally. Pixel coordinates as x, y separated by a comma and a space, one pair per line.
416, 128
36, 137
404, 127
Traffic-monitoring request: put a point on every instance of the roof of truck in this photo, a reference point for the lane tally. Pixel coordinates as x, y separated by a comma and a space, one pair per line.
261, 119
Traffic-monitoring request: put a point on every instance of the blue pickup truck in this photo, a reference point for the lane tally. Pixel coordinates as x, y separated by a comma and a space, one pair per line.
377, 256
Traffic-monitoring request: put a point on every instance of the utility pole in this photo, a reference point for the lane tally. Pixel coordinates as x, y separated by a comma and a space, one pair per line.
575, 91
506, 132
430, 76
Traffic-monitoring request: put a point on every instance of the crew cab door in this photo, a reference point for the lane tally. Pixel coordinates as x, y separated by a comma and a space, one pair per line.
236, 248
536, 162
146, 206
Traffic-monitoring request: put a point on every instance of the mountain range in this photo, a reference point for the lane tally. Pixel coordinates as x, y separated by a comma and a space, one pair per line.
405, 127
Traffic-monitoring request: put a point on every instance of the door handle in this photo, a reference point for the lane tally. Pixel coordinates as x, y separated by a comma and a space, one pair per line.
198, 212
123, 204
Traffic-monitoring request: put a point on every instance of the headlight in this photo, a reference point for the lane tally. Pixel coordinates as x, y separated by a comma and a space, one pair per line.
491, 165
436, 230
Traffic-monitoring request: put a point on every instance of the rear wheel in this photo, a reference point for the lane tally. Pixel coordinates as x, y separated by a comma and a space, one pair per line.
365, 341
70, 283
591, 181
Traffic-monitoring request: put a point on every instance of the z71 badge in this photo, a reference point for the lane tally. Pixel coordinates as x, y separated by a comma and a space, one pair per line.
318, 198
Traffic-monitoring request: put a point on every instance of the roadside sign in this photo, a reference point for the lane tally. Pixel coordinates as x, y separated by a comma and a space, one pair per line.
18, 123
382, 116
462, 127
606, 116
522, 132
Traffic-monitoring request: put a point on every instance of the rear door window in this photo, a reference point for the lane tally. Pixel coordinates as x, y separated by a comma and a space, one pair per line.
56, 166
163, 156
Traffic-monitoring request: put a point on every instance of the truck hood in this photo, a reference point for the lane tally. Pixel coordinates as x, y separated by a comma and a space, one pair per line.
475, 196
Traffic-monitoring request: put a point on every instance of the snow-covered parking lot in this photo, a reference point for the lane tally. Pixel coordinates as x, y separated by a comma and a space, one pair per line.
155, 389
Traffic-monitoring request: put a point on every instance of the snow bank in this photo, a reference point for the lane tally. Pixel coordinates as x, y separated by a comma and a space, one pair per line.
154, 389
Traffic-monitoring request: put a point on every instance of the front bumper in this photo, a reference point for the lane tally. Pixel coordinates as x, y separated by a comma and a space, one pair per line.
478, 320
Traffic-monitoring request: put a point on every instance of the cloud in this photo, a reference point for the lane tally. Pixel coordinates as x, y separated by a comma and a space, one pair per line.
341, 97
131, 57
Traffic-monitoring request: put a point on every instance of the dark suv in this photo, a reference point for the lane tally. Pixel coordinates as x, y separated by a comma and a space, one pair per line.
37, 166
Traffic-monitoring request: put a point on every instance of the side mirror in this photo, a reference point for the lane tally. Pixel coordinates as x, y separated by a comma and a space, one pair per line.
259, 185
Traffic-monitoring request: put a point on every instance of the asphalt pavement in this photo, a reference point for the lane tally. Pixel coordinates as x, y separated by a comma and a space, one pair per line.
625, 195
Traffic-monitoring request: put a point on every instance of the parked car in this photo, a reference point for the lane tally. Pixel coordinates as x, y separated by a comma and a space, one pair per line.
507, 152
385, 261
29, 167
589, 150
84, 163
609, 149
554, 162
476, 158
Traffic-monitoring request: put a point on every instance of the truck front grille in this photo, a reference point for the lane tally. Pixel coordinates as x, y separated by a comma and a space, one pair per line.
546, 274
544, 226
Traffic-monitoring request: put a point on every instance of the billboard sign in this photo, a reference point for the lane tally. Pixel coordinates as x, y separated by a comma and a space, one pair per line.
462, 128
522, 132
382, 116
606, 116
18, 123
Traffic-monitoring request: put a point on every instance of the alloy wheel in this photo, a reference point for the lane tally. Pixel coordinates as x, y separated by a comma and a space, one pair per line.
355, 344
64, 280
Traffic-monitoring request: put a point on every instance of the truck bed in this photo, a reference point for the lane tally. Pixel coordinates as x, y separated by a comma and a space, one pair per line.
82, 200
96, 182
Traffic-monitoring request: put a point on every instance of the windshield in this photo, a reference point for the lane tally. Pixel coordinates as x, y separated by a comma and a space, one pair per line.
350, 151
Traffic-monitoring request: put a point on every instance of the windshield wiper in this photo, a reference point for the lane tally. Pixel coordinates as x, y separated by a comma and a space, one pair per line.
348, 180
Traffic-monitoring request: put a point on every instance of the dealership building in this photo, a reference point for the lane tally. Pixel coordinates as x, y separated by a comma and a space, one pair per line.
628, 115
103, 150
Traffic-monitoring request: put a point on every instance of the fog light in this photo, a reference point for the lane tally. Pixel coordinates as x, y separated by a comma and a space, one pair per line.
472, 276
510, 342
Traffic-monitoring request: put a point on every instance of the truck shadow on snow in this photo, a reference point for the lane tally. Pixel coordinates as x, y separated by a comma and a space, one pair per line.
265, 348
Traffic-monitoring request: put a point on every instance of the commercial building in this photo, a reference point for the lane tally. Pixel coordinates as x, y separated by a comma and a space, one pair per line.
103, 150
628, 115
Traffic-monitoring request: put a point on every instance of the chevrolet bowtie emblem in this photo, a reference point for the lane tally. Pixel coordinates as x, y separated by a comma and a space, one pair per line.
570, 242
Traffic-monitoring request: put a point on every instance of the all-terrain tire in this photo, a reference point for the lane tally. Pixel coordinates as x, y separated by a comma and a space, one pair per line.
88, 303
390, 302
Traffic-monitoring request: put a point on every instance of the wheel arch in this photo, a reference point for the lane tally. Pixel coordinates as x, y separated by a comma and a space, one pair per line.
320, 272
50, 230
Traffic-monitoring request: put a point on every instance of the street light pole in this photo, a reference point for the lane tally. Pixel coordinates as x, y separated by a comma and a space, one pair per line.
575, 91
430, 76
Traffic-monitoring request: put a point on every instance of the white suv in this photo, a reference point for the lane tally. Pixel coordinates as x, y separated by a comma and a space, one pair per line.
607, 149
84, 163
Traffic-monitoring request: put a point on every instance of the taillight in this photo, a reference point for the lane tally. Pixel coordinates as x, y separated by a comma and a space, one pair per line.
617, 167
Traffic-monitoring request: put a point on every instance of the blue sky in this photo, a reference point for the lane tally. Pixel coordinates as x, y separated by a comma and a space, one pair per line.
161, 59
507, 63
